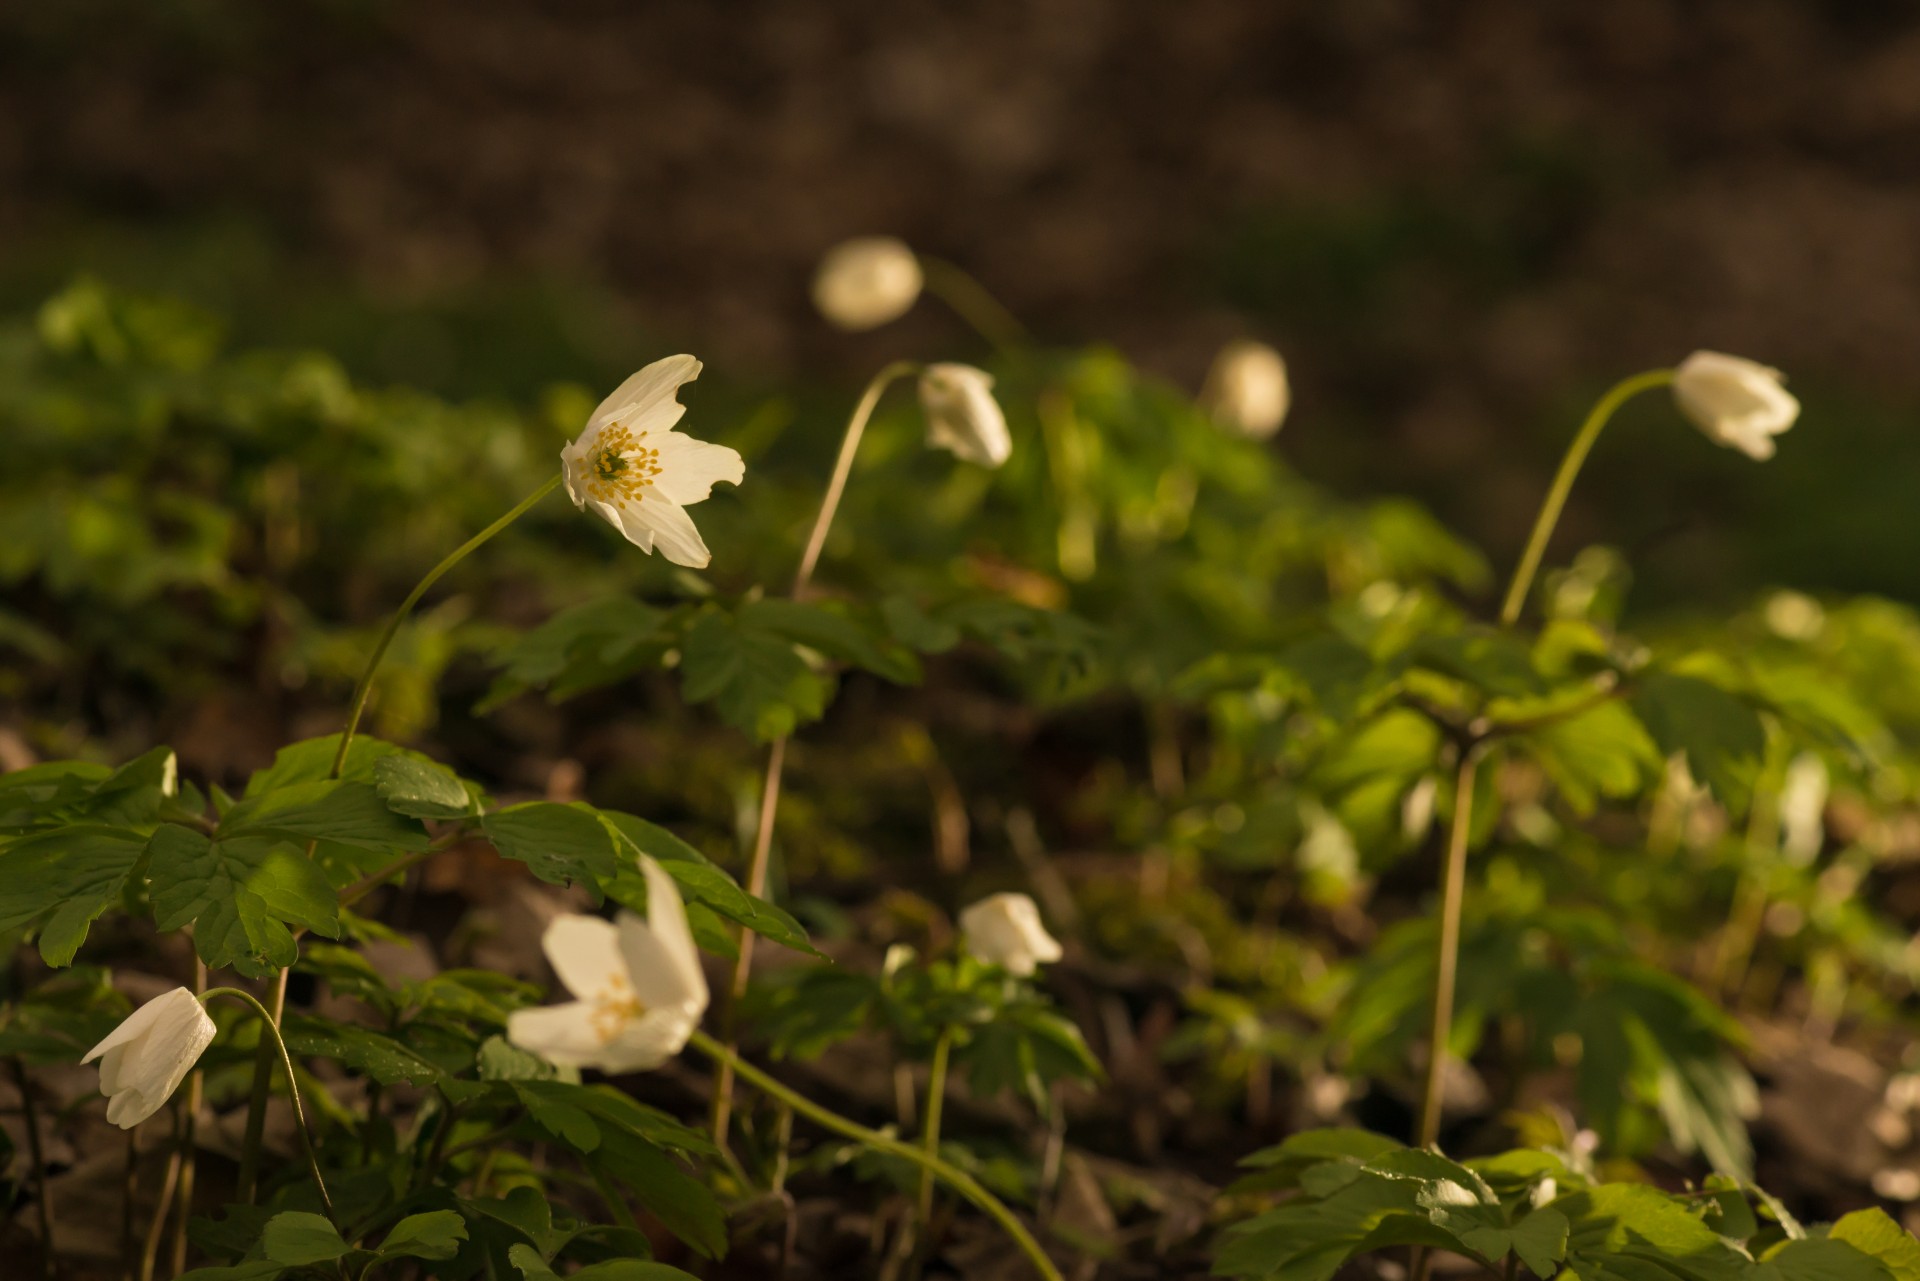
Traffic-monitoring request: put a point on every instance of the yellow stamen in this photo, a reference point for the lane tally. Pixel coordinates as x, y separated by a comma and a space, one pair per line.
614, 1008
620, 468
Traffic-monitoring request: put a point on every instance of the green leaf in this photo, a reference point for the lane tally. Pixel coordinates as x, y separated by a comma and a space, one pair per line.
700, 881
1631, 1231
348, 813
560, 1118
582, 648
294, 1237
1494, 662
64, 879
498, 1059
1540, 1240
833, 631
239, 895
257, 1270
436, 1234
384, 1058
311, 761
1721, 736
752, 676
678, 1200
561, 844
1873, 1232
1605, 751
1829, 1260
420, 789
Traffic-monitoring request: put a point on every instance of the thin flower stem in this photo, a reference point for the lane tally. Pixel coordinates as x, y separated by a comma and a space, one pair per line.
248, 1179
460, 553
1621, 392
163, 1206
957, 1179
188, 1158
1453, 896
843, 468
973, 303
756, 882
930, 1133
272, 1029
43, 1200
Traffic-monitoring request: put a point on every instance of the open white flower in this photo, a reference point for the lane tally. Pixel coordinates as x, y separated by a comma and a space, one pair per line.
1247, 390
143, 1061
962, 415
1737, 402
634, 469
1005, 929
637, 982
865, 282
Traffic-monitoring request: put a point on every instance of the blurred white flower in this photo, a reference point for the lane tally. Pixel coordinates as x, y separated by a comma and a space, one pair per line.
638, 986
641, 475
1247, 390
962, 415
865, 282
1803, 806
143, 1061
1737, 402
1544, 1191
1795, 616
1005, 930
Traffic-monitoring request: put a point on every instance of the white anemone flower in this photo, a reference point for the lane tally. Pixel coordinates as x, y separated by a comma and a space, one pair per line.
634, 469
865, 282
1005, 930
1737, 402
962, 415
1247, 391
638, 988
143, 1061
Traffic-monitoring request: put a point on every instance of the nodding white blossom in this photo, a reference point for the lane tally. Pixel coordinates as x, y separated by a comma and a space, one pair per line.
962, 415
1005, 930
143, 1061
865, 282
631, 467
1737, 402
1247, 391
1803, 807
638, 987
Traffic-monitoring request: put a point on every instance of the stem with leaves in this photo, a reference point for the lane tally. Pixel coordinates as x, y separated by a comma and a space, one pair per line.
263, 1065
957, 1179
756, 882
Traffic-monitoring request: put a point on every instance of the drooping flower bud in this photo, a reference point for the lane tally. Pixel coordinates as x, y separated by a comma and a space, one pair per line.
143, 1061
1005, 930
1247, 391
962, 415
1737, 402
865, 282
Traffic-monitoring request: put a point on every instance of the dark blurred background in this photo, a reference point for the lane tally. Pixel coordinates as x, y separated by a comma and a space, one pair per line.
1459, 221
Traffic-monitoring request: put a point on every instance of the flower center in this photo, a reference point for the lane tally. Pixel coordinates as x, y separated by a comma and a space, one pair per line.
613, 1009
620, 468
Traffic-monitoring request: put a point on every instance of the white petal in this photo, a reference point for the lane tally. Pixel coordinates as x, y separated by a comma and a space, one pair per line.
962, 415
565, 1035
1005, 929
131, 1107
585, 952
138, 1022
658, 383
648, 1041
689, 468
656, 524
660, 951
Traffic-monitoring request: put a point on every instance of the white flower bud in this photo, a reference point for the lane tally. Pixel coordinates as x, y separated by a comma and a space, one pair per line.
1737, 402
1803, 807
143, 1061
1005, 930
865, 282
1247, 390
962, 415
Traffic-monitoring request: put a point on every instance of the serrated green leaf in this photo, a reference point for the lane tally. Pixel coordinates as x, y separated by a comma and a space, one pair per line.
701, 881
437, 1234
1720, 735
384, 1058
1829, 1260
64, 879
420, 789
752, 676
561, 844
1874, 1233
831, 630
239, 895
344, 812
295, 1237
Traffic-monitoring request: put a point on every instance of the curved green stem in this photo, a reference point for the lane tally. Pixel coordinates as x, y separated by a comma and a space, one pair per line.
957, 1179
460, 553
1623, 391
930, 1132
756, 882
973, 303
270, 1028
1452, 900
